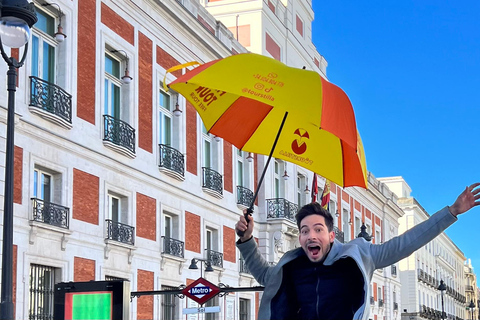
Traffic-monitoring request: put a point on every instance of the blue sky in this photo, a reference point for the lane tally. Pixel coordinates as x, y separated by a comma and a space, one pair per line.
412, 72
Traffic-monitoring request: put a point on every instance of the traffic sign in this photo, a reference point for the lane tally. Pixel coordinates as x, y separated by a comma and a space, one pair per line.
201, 310
201, 290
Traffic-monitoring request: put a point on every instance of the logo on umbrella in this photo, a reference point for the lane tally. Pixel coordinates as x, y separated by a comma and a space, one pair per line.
298, 145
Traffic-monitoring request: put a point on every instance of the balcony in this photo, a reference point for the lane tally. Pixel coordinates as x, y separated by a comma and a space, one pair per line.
119, 133
339, 235
395, 306
212, 182
372, 301
171, 162
215, 258
50, 213
243, 267
394, 270
279, 208
120, 232
50, 102
173, 247
244, 196
380, 303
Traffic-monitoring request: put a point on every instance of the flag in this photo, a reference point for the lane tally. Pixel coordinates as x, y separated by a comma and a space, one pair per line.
314, 188
326, 196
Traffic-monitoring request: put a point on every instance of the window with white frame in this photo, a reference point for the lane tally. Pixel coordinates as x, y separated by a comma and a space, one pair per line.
244, 169
301, 187
212, 247
244, 309
113, 85
171, 237
44, 46
170, 304
345, 225
211, 303
279, 176
41, 287
165, 117
42, 185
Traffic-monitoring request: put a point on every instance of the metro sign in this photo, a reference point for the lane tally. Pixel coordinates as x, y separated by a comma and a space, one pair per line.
201, 290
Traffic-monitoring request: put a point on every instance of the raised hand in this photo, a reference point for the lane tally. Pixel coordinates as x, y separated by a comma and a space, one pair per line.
468, 199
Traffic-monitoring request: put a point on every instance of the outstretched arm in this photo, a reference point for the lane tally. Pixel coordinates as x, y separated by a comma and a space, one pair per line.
469, 198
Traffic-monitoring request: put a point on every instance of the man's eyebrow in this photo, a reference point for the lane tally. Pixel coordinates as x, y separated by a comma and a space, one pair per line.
316, 224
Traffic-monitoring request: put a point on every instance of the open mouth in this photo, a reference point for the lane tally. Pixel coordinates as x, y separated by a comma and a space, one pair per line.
314, 249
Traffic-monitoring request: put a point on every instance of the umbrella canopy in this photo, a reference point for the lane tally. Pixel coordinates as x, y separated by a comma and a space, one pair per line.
246, 98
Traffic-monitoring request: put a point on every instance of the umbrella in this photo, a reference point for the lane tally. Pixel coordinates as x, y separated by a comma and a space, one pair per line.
260, 105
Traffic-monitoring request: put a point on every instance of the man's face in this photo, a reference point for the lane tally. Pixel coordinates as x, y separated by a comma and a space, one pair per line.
315, 238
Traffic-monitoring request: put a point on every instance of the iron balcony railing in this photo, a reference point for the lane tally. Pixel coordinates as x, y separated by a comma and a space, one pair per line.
173, 247
120, 232
281, 208
50, 98
119, 132
171, 159
380, 303
244, 196
395, 306
50, 213
243, 266
215, 258
372, 300
212, 180
339, 235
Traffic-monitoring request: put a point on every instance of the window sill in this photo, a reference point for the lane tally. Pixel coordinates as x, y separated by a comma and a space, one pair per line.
213, 193
171, 173
50, 117
119, 149
112, 243
36, 225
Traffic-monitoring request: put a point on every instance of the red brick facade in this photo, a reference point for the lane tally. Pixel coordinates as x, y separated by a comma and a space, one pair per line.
227, 167
165, 60
117, 24
146, 217
229, 249
145, 282
192, 232
145, 103
242, 34
86, 59
191, 138
17, 174
272, 47
83, 269
85, 196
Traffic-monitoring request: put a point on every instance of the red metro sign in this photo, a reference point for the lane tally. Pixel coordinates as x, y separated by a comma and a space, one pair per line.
201, 290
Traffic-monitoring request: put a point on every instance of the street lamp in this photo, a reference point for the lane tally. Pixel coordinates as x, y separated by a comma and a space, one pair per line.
16, 19
442, 288
471, 306
208, 266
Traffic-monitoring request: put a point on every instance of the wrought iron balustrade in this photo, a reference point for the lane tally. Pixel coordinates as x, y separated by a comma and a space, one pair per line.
339, 235
212, 180
120, 232
119, 132
372, 300
215, 258
244, 196
50, 213
243, 267
173, 247
281, 208
171, 159
50, 98
380, 303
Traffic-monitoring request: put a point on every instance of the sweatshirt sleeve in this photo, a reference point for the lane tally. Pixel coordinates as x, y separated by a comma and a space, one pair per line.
411, 240
254, 260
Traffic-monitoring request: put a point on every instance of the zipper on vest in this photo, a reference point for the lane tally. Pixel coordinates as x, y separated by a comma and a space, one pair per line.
317, 293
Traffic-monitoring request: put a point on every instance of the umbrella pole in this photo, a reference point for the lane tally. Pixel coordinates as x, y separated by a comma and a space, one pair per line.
250, 209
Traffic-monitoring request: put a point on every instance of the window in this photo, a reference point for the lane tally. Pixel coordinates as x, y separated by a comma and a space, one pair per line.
42, 185
345, 225
299, 25
301, 187
276, 180
244, 169
207, 148
112, 87
240, 168
42, 282
43, 47
212, 247
244, 309
167, 226
169, 304
165, 118
212, 303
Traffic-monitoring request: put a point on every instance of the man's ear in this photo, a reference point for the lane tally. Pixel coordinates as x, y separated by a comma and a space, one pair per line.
332, 236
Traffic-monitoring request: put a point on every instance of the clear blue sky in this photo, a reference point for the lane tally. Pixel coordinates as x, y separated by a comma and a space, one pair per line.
412, 72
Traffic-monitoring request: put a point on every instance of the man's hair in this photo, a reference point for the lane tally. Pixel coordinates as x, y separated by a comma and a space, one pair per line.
314, 208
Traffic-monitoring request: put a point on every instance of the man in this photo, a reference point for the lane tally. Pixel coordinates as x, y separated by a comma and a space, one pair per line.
326, 279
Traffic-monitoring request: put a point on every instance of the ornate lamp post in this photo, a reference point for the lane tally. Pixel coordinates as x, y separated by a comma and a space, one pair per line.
16, 19
208, 266
442, 288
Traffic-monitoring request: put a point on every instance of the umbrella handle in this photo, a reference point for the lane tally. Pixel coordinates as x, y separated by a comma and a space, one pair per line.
247, 217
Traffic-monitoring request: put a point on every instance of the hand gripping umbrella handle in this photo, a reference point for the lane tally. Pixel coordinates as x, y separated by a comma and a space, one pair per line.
247, 217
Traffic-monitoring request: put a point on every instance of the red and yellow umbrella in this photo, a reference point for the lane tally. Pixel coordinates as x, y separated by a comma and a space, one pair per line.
246, 98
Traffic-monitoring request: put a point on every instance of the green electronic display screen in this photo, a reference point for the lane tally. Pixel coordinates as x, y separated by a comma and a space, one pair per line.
88, 306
